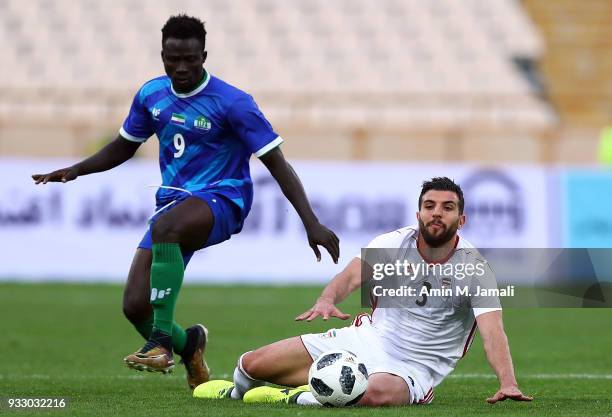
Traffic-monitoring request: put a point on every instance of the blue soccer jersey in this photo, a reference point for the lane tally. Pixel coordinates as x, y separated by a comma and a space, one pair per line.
206, 137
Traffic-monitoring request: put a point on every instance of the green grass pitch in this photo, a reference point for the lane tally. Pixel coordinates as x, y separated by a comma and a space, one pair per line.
69, 340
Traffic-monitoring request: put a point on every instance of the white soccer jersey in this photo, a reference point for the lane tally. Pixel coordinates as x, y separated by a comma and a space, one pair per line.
431, 339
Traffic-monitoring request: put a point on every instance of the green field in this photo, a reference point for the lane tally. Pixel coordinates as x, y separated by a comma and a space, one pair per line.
69, 340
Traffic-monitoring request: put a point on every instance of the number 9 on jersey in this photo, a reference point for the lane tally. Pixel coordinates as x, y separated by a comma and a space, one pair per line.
179, 145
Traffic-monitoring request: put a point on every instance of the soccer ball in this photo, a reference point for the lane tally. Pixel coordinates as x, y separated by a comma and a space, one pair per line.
338, 379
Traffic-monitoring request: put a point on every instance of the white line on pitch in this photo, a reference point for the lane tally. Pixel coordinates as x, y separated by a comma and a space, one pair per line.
534, 376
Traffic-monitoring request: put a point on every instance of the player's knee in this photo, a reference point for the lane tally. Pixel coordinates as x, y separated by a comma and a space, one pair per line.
252, 364
165, 231
376, 397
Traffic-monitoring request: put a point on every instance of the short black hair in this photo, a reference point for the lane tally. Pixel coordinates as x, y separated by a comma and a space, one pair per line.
182, 26
442, 184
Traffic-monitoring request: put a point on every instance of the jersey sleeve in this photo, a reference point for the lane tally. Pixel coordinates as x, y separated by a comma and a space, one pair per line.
391, 240
251, 127
383, 249
138, 126
388, 240
483, 303
481, 310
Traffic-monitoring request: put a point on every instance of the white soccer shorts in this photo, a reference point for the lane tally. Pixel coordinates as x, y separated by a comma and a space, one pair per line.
362, 339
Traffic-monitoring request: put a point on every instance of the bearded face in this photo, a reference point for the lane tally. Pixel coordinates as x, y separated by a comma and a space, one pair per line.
436, 233
439, 217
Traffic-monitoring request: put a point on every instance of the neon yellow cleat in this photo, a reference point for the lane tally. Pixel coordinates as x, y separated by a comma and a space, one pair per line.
274, 395
215, 389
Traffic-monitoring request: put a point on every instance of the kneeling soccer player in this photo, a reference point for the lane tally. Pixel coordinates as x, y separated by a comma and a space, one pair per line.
407, 351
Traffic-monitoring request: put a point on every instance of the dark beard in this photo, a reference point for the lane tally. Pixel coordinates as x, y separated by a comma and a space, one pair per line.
437, 241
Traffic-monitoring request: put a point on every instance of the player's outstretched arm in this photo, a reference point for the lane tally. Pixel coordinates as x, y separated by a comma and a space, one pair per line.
112, 155
335, 292
495, 342
292, 187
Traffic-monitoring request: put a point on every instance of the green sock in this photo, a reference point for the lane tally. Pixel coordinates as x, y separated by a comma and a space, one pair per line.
167, 271
179, 337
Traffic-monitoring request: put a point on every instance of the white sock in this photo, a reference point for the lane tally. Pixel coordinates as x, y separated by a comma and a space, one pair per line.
306, 398
243, 381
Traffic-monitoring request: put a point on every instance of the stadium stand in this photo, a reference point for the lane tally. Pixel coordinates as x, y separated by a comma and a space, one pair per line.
578, 69
392, 79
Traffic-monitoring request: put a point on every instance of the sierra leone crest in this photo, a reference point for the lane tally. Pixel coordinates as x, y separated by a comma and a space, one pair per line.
202, 123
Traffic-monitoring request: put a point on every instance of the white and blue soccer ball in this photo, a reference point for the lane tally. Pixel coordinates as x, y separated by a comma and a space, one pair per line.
338, 379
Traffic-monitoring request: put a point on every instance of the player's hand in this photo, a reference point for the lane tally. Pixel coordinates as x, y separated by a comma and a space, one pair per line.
511, 392
324, 308
321, 235
61, 175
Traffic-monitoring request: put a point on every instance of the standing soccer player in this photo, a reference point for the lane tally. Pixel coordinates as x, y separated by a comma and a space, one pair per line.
407, 348
207, 131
